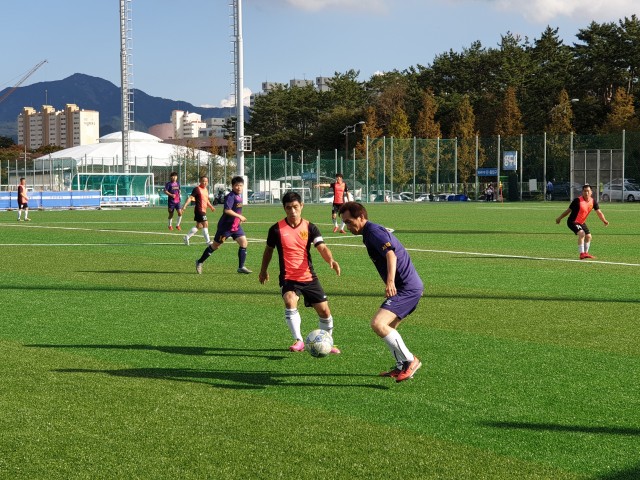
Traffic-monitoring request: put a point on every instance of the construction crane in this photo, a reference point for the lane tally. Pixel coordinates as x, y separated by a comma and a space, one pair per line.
22, 80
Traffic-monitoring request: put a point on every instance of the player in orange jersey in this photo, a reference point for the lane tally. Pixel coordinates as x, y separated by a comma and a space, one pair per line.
200, 195
293, 237
339, 197
579, 210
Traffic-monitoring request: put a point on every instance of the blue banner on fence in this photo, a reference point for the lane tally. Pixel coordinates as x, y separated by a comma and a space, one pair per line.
510, 160
487, 172
74, 199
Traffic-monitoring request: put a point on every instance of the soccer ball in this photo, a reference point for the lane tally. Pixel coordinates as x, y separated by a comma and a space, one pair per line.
318, 343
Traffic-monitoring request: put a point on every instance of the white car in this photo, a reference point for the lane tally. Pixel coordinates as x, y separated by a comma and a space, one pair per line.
631, 192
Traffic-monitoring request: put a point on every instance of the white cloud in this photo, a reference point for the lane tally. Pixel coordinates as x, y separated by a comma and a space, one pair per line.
230, 101
541, 11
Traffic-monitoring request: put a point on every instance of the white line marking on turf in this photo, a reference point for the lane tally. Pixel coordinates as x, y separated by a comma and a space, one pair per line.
500, 255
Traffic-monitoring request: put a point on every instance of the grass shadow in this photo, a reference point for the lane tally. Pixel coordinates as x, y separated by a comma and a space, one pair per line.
177, 350
230, 379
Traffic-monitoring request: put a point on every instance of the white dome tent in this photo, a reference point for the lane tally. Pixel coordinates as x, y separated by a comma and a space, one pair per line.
81, 167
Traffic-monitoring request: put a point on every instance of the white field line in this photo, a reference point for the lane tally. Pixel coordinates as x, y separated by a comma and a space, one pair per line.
260, 240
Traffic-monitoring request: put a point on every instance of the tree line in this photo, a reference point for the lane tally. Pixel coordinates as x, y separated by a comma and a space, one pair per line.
518, 87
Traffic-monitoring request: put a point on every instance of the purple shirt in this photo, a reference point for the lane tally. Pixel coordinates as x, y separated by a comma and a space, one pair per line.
379, 241
229, 223
173, 187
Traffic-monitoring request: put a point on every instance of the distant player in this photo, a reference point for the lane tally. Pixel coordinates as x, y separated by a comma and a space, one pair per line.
580, 208
229, 226
293, 237
403, 286
23, 205
200, 195
172, 190
339, 197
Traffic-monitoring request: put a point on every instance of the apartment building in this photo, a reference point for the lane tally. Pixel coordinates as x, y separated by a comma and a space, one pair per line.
64, 128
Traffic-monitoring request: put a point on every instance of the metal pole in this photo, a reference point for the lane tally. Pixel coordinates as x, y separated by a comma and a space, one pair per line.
477, 160
239, 71
367, 168
521, 165
414, 168
624, 134
544, 163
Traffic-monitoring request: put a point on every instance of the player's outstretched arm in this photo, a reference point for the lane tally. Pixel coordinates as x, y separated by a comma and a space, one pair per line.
601, 217
564, 214
326, 254
263, 276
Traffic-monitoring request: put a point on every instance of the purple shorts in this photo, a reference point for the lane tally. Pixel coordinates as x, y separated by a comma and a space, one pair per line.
173, 206
222, 235
403, 303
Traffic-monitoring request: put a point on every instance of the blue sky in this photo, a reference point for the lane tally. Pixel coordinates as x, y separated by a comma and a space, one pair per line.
182, 50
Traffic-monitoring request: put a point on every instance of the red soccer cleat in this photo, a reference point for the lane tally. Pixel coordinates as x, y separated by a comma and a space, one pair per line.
588, 255
335, 229
297, 347
583, 256
391, 373
170, 227
409, 369
178, 228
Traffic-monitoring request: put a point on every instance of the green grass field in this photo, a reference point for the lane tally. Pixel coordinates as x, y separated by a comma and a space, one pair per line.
118, 361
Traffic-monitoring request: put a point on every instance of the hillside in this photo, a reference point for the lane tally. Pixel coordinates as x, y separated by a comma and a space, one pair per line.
93, 93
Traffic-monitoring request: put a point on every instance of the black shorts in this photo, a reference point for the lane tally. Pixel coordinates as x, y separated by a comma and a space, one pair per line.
23, 206
312, 291
199, 217
336, 207
576, 227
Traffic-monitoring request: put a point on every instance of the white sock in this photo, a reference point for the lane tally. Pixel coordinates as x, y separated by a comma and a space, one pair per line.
586, 247
170, 221
292, 316
26, 213
581, 248
342, 226
19, 214
179, 220
335, 222
397, 347
192, 232
326, 324
205, 233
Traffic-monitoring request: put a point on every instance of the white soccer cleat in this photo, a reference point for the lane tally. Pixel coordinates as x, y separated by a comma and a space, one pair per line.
186, 240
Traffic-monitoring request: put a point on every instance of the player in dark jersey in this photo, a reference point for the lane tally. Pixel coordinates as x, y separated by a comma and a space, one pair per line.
229, 225
578, 211
172, 190
293, 237
339, 197
23, 205
200, 195
403, 286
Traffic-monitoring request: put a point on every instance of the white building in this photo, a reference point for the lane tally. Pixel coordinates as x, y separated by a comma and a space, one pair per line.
65, 128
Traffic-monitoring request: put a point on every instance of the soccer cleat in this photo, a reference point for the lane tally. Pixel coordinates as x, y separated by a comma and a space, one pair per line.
583, 256
244, 270
409, 369
198, 267
335, 351
27, 219
588, 255
178, 227
335, 229
297, 347
170, 227
342, 231
391, 373
19, 219
186, 240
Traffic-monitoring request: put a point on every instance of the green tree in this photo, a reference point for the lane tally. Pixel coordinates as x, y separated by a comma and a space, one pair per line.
400, 131
561, 115
428, 129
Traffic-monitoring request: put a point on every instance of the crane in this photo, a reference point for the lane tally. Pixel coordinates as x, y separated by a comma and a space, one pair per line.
22, 80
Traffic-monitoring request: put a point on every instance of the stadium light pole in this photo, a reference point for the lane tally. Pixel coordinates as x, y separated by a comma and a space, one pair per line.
346, 131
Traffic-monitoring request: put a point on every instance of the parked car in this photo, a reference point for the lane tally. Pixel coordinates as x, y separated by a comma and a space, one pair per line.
425, 197
407, 196
631, 192
327, 197
396, 198
260, 197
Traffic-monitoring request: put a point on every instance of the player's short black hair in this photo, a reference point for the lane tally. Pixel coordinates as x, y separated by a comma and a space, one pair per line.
339, 175
355, 209
586, 185
236, 180
173, 174
291, 197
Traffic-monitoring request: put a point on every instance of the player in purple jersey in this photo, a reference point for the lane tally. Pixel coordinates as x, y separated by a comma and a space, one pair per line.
229, 225
403, 286
172, 190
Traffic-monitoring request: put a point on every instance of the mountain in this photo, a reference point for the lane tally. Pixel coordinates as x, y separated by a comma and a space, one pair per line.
93, 93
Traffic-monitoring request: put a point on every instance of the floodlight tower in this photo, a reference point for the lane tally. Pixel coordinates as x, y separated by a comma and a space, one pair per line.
238, 65
126, 79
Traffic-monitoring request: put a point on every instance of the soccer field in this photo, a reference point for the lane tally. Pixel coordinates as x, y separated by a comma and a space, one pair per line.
118, 361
